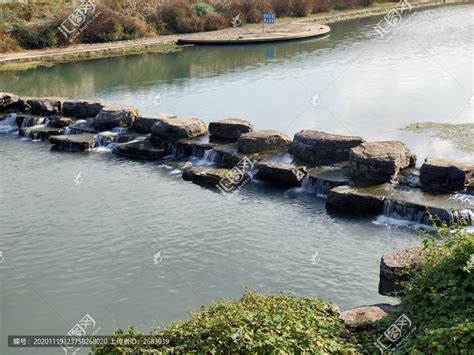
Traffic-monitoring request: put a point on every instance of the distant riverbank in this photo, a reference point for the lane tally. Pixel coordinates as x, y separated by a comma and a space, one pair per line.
23, 60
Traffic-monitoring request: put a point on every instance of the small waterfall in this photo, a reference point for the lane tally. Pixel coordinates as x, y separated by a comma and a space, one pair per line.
172, 150
212, 156
419, 214
8, 125
119, 130
124, 138
313, 185
32, 121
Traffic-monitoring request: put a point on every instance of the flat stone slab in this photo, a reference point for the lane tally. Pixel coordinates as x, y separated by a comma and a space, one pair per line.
230, 128
82, 108
143, 124
139, 149
74, 142
111, 116
323, 148
397, 266
379, 162
288, 33
280, 174
43, 105
173, 129
363, 316
208, 177
260, 141
40, 132
355, 201
322, 179
451, 175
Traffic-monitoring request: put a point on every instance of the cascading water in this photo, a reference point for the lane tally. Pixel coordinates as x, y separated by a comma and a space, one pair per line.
212, 156
8, 125
419, 214
313, 185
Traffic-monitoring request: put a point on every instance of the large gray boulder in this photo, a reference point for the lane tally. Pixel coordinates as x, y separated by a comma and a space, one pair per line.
353, 200
143, 124
378, 162
172, 129
397, 266
280, 174
43, 105
259, 141
111, 116
82, 108
229, 128
321, 147
8, 101
448, 175
207, 177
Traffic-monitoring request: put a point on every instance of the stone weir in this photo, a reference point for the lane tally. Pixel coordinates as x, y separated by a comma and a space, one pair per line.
355, 176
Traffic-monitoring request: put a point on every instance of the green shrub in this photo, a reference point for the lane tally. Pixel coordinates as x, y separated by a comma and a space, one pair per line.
258, 323
300, 8
202, 9
213, 22
39, 36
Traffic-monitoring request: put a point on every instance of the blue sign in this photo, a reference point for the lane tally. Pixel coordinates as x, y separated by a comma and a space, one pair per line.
269, 17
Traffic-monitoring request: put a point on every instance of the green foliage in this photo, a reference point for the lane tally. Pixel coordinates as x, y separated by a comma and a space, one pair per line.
202, 9
279, 323
178, 17
300, 8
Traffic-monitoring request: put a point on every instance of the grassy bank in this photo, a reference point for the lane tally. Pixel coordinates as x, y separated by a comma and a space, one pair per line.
35, 25
439, 301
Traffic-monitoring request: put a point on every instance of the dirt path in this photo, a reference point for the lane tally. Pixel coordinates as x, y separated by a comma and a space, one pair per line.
12, 61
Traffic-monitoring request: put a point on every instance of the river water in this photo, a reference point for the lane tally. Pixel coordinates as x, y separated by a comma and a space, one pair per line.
80, 231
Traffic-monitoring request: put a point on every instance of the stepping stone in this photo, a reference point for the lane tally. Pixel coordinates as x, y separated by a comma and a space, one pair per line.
202, 176
74, 142
8, 101
397, 266
139, 149
43, 105
143, 124
353, 200
379, 162
40, 132
451, 175
173, 129
229, 128
111, 116
322, 179
320, 147
259, 141
280, 174
82, 108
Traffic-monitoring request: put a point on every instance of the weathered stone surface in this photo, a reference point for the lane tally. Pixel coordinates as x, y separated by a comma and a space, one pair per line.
143, 124
348, 199
229, 128
8, 101
396, 266
82, 108
172, 129
378, 162
280, 174
40, 132
44, 105
320, 147
59, 121
74, 142
202, 176
363, 316
259, 141
322, 179
446, 174
112, 116
139, 149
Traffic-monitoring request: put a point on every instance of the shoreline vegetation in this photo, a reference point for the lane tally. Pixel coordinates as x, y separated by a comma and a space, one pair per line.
435, 315
29, 34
